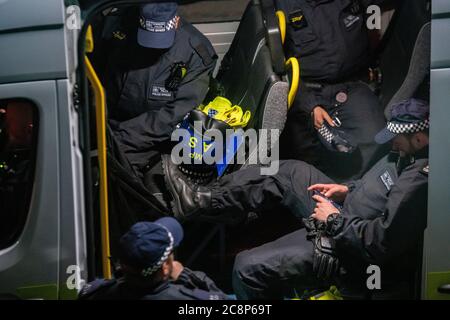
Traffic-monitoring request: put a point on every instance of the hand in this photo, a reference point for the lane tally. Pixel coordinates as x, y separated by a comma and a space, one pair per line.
320, 115
177, 268
323, 209
335, 192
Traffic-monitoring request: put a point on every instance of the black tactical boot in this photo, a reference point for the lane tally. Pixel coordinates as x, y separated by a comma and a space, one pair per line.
189, 198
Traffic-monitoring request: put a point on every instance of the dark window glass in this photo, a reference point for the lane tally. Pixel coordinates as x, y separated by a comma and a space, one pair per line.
212, 11
18, 144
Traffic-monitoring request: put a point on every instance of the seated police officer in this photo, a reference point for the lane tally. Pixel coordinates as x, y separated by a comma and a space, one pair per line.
378, 219
335, 116
150, 271
157, 71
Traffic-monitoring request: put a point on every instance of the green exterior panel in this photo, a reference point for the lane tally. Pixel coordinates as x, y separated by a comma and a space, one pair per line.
434, 281
45, 292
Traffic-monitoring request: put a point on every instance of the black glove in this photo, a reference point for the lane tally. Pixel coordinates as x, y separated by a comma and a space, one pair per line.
189, 279
313, 228
325, 261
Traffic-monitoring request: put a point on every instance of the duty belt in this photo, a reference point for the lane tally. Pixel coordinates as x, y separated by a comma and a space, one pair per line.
366, 75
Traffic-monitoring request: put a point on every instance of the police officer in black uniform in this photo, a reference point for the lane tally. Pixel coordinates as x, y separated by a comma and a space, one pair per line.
330, 39
150, 271
378, 219
157, 71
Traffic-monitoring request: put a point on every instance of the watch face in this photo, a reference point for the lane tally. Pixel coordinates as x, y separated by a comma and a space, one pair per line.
330, 218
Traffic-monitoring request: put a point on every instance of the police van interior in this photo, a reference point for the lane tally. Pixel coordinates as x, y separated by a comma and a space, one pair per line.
407, 58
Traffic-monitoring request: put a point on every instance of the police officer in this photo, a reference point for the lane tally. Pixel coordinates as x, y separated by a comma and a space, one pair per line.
381, 222
378, 219
150, 271
158, 70
331, 41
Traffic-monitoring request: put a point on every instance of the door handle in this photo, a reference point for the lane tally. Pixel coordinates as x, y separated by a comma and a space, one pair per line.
445, 288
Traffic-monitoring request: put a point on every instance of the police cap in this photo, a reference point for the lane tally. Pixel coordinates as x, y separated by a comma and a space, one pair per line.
157, 25
147, 245
407, 116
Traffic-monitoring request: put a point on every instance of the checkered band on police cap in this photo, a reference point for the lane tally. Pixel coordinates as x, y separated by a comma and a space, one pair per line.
151, 270
396, 127
154, 26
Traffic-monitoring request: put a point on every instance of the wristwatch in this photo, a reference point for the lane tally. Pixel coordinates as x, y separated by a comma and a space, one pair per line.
334, 222
350, 185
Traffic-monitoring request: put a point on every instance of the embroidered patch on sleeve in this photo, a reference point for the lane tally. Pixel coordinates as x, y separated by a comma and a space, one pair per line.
387, 180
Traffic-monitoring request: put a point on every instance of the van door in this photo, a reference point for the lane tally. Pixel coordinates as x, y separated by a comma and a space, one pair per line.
43, 252
436, 284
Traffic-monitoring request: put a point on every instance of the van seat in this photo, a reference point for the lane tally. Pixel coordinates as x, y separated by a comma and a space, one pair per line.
252, 72
405, 60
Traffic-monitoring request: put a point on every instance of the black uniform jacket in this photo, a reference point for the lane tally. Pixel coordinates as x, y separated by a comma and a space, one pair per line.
143, 107
385, 215
330, 39
191, 285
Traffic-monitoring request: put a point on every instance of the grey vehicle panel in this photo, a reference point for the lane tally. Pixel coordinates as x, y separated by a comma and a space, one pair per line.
436, 259
18, 14
73, 252
32, 40
439, 207
41, 47
440, 43
32, 55
441, 7
33, 259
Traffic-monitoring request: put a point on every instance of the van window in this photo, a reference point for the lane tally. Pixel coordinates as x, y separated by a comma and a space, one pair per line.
213, 11
18, 142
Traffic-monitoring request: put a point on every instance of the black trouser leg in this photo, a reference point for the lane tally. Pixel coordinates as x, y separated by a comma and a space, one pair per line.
299, 139
249, 191
275, 268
